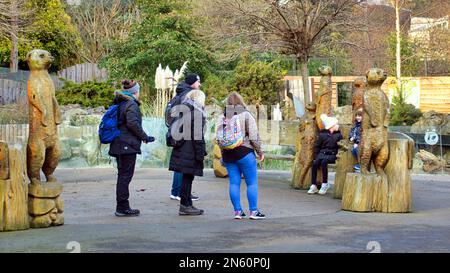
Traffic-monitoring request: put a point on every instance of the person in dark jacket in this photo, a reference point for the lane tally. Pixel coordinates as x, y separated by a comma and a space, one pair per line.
325, 152
128, 144
187, 158
191, 82
355, 137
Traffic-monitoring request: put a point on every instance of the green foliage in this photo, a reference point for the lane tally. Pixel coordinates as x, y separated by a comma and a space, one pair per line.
402, 113
410, 61
344, 94
218, 86
51, 30
166, 34
258, 82
87, 94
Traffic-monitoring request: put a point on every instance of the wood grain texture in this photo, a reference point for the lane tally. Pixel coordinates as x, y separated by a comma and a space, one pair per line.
14, 192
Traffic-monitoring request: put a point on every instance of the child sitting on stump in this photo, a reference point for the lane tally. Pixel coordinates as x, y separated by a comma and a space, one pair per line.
355, 137
325, 152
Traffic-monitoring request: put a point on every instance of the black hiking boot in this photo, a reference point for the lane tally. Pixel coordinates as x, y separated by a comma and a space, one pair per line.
127, 213
191, 210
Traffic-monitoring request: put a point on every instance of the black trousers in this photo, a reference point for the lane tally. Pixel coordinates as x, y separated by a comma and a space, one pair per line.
186, 189
323, 162
125, 166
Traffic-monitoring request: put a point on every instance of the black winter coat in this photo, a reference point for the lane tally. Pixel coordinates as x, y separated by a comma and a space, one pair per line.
130, 125
327, 145
188, 157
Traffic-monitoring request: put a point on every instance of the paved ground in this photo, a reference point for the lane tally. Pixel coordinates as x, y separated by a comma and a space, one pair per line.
296, 221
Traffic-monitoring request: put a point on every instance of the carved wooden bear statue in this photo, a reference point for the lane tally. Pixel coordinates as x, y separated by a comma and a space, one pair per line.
44, 115
323, 95
375, 122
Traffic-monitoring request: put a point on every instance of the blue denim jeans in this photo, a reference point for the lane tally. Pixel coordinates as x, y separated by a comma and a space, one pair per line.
355, 151
176, 183
247, 166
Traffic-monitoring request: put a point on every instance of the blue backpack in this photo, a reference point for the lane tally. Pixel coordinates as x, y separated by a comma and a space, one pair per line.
108, 129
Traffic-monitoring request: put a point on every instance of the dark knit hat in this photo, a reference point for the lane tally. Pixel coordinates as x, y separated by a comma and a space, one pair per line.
192, 78
128, 84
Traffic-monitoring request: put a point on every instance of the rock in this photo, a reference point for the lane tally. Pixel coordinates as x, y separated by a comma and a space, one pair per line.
68, 113
71, 132
344, 114
432, 120
66, 150
431, 163
45, 189
91, 151
40, 206
80, 120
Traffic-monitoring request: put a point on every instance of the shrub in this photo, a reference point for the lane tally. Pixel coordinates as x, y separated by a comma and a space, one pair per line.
87, 94
258, 82
402, 113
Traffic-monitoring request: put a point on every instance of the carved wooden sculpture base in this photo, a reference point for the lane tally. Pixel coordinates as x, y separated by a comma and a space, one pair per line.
219, 170
390, 193
13, 188
344, 164
45, 204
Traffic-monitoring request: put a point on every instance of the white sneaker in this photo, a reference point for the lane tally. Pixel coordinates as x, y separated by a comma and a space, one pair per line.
173, 197
324, 188
313, 189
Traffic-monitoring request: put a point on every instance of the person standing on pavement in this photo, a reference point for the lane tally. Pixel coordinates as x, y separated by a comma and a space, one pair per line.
191, 82
239, 157
187, 157
128, 144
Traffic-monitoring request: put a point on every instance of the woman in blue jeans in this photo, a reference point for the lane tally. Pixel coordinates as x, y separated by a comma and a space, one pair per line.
241, 159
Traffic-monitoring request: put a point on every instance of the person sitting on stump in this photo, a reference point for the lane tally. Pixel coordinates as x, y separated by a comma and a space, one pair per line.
355, 137
325, 152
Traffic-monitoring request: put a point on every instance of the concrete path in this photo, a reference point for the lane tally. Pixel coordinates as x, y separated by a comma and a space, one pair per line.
296, 222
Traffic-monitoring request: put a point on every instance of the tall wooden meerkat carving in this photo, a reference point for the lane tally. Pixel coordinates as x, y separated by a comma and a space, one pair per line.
45, 205
374, 128
44, 115
323, 95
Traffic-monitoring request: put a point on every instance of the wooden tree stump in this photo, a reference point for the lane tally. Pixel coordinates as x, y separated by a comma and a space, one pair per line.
344, 164
398, 171
219, 170
13, 188
383, 193
358, 192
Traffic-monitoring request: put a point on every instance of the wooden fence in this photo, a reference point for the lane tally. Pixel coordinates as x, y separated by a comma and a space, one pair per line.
432, 93
15, 91
83, 72
14, 133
